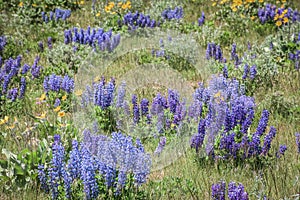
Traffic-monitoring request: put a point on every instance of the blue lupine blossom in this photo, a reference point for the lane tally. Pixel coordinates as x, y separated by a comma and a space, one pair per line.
169, 14
218, 191
201, 20
22, 87
161, 145
281, 151
297, 135
136, 110
237, 192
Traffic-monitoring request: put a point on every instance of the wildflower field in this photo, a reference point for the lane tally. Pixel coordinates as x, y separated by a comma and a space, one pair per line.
175, 99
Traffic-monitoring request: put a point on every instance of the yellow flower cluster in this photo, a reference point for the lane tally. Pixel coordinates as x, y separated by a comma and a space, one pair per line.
111, 6
4, 121
281, 19
234, 4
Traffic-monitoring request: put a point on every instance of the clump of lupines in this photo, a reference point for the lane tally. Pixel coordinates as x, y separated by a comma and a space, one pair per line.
111, 158
201, 20
96, 38
56, 83
56, 15
235, 192
12, 71
228, 119
136, 20
169, 14
2, 43
295, 57
215, 52
101, 94
271, 13
218, 191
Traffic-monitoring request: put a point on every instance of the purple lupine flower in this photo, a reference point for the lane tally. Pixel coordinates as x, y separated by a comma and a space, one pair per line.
121, 95
161, 145
12, 94
43, 178
201, 20
237, 192
57, 102
281, 151
25, 69
267, 140
297, 135
225, 71
144, 107
108, 94
49, 42
197, 139
136, 110
22, 87
53, 84
159, 103
253, 72
218, 191
56, 170
219, 53
263, 123
41, 46
173, 100
88, 174
271, 46
74, 163
249, 46
169, 14
255, 148
67, 84
35, 69
233, 52
2, 43
248, 121
246, 71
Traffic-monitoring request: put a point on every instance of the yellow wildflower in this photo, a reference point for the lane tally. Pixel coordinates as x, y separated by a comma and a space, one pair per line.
64, 97
21, 4
57, 109
260, 1
42, 116
126, 5
234, 9
107, 9
283, 1
276, 17
285, 20
111, 4
34, 5
252, 18
98, 14
278, 23
61, 114
43, 97
81, 2
78, 93
3, 121
10, 127
120, 4
214, 4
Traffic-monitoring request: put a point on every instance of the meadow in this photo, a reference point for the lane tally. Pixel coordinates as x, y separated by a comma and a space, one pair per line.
191, 99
